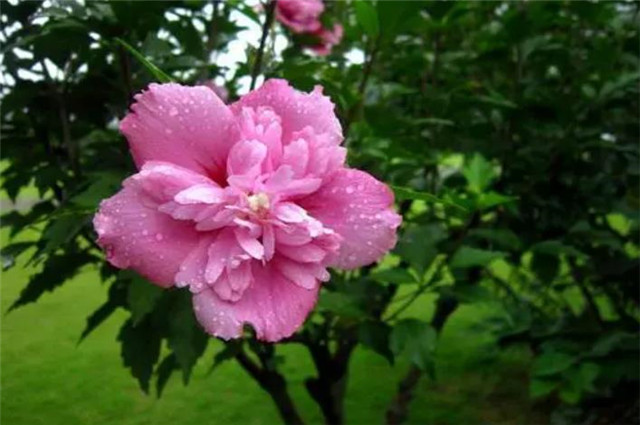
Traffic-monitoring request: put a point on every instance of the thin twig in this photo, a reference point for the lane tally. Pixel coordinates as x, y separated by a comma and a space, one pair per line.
268, 20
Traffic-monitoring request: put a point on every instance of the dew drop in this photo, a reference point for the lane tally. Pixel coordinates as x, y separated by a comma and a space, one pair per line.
173, 111
349, 189
159, 237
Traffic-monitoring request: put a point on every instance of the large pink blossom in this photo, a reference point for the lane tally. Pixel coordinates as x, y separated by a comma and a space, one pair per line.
301, 16
246, 205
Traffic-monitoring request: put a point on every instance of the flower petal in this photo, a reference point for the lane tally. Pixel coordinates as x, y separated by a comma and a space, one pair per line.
359, 208
135, 235
275, 307
187, 126
296, 109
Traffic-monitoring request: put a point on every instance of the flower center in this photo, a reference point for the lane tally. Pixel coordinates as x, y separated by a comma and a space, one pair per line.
258, 202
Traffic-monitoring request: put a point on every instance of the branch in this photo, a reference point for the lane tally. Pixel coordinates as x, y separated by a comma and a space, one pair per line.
362, 87
275, 384
268, 20
212, 38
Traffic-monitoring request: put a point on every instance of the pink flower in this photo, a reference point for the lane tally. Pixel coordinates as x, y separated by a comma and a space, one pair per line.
327, 39
246, 205
300, 16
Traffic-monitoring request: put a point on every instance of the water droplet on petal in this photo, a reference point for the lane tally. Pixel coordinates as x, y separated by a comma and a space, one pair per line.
159, 237
173, 111
349, 189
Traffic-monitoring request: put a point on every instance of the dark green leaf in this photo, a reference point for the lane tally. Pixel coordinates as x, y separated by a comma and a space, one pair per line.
367, 17
140, 349
142, 296
552, 363
468, 256
415, 339
57, 270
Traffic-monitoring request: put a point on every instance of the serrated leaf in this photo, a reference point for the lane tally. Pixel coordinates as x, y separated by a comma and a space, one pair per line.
164, 371
140, 349
492, 199
416, 340
142, 296
116, 298
479, 173
468, 256
186, 337
57, 270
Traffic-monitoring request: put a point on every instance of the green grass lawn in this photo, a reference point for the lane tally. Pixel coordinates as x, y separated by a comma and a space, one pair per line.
47, 378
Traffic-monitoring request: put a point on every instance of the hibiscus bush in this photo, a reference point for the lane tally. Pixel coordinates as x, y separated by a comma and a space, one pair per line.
299, 172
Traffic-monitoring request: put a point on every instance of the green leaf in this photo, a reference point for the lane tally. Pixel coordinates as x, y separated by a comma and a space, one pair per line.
552, 363
545, 266
164, 371
479, 173
468, 256
60, 231
116, 298
542, 387
396, 276
416, 340
405, 193
418, 245
185, 336
228, 352
57, 270
504, 238
142, 296
341, 304
13, 251
157, 73
367, 17
375, 335
556, 248
140, 349
492, 199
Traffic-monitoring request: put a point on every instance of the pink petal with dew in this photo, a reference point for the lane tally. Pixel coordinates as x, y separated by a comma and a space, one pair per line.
296, 109
135, 235
272, 305
187, 126
359, 208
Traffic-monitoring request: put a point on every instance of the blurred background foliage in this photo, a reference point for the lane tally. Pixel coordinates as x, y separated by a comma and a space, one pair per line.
508, 130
